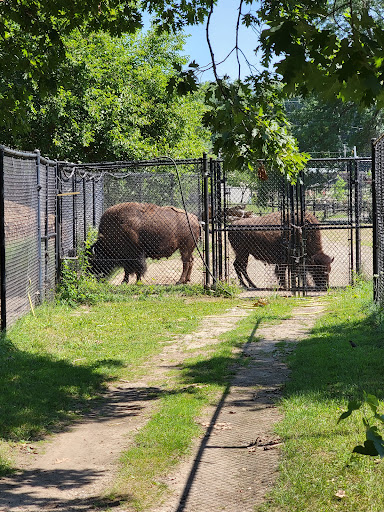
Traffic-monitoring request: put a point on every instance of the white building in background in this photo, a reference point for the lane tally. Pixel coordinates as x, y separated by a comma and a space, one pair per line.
239, 195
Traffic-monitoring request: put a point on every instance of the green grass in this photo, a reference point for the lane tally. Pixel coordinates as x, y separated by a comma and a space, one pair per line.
54, 364
327, 372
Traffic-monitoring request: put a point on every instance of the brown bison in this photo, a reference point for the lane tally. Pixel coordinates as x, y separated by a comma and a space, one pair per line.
271, 246
131, 232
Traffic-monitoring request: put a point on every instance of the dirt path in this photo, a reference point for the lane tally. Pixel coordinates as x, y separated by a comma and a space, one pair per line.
233, 465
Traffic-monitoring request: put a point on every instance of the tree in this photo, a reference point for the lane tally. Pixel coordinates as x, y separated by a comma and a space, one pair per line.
32, 45
249, 124
334, 48
327, 126
114, 103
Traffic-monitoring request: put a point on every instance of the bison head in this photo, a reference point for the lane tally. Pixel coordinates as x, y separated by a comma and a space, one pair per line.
320, 268
100, 265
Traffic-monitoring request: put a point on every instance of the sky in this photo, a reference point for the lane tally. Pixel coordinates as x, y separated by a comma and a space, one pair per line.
222, 32
223, 39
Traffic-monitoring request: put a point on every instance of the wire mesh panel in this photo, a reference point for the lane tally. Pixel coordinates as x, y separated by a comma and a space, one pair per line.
144, 215
256, 224
21, 242
48, 187
378, 213
338, 193
305, 237
29, 246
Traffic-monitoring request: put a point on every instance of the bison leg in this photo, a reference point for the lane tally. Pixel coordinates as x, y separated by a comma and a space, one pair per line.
240, 266
136, 266
187, 269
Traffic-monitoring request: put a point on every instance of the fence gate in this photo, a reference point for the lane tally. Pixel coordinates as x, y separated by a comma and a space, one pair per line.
300, 238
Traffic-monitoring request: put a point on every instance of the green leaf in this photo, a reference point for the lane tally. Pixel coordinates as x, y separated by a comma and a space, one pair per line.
377, 441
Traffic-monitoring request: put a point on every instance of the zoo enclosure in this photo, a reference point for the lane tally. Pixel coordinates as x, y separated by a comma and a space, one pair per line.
48, 209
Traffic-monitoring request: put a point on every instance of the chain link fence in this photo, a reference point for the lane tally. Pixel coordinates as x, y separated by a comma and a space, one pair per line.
378, 216
27, 232
184, 221
306, 237
140, 219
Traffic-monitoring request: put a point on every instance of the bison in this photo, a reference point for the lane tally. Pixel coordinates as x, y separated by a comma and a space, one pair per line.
271, 246
131, 232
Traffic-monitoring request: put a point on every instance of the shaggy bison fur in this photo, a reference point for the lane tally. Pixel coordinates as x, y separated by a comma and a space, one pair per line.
271, 246
131, 232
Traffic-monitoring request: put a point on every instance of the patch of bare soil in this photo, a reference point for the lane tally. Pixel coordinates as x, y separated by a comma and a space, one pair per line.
232, 466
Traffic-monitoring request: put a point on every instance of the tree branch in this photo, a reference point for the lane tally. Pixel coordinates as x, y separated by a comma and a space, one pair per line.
237, 38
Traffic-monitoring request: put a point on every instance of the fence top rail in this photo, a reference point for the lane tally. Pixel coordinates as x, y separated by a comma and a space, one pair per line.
132, 164
340, 159
18, 153
27, 155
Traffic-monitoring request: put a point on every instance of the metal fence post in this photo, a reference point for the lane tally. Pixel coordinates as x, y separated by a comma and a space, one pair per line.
84, 209
3, 287
213, 221
47, 234
303, 238
206, 219
351, 223
219, 220
39, 252
58, 224
93, 203
292, 242
374, 223
357, 217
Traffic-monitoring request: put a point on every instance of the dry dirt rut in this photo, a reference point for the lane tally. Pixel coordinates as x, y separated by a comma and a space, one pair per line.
232, 466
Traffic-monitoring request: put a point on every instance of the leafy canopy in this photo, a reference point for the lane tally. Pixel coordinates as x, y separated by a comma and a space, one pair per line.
249, 123
114, 103
333, 47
